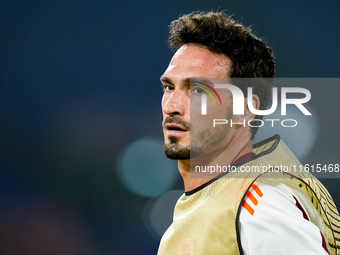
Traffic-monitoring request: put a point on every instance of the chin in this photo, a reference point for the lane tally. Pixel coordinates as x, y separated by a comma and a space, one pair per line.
174, 150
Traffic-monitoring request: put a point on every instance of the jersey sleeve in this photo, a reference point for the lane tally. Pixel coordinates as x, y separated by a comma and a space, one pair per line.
273, 221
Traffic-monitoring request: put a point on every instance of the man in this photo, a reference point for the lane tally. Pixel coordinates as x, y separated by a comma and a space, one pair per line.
234, 212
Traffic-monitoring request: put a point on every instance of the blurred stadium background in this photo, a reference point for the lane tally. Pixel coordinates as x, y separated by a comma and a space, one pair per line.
81, 163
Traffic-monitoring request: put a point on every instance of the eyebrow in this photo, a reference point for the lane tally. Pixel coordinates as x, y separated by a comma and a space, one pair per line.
166, 79
201, 80
188, 80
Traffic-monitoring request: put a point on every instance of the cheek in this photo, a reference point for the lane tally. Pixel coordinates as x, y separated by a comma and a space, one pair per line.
164, 100
199, 121
222, 111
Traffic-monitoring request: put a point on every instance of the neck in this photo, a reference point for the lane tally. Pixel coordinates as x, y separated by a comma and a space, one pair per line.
223, 156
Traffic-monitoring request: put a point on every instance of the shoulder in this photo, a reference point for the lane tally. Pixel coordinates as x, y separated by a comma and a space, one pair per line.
274, 219
269, 198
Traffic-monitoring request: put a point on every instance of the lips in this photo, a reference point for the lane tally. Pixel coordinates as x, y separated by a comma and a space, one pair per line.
175, 129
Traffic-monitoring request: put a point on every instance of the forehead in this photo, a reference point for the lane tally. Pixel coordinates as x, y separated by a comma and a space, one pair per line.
192, 60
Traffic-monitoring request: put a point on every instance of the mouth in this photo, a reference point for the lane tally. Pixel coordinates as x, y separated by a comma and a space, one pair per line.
175, 129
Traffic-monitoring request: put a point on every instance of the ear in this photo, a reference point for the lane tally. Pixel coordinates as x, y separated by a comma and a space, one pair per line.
248, 115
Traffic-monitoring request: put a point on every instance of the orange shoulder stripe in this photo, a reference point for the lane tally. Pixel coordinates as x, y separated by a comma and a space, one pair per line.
248, 207
257, 190
252, 198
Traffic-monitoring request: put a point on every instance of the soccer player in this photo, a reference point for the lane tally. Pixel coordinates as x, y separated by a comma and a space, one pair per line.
234, 212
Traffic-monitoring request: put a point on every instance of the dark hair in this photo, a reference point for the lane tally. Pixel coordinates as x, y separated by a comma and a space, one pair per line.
250, 56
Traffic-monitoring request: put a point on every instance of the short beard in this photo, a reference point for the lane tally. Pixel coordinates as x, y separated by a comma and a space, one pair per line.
173, 150
201, 143
206, 141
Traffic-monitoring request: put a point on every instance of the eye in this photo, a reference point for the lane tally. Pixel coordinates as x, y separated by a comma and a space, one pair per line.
168, 87
199, 90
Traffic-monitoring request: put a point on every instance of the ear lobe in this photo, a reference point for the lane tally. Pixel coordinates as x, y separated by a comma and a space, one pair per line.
248, 115
255, 101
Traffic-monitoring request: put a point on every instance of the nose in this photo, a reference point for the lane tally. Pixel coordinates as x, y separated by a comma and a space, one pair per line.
175, 103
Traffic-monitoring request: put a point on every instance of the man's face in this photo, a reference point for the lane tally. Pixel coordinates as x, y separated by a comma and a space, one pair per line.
197, 136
